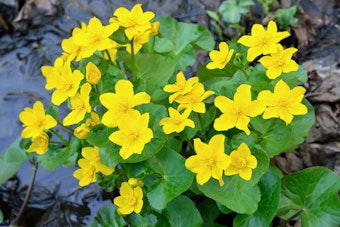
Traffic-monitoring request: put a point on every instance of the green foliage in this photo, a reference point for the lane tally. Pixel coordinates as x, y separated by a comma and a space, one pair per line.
11, 160
285, 17
107, 216
155, 176
312, 196
182, 212
1, 217
232, 10
174, 178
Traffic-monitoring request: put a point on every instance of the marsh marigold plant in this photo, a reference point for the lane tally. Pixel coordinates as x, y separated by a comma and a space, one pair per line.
166, 145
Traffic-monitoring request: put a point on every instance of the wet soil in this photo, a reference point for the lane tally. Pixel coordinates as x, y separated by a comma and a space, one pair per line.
32, 38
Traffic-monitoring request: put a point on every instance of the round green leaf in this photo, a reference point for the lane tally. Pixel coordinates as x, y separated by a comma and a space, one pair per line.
270, 186
181, 212
174, 181
312, 195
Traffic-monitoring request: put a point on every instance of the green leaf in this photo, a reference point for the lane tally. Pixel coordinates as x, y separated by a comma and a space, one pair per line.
270, 186
185, 38
107, 216
209, 211
163, 45
285, 17
137, 220
175, 178
313, 194
99, 135
181, 212
231, 10
60, 156
11, 160
272, 134
53, 111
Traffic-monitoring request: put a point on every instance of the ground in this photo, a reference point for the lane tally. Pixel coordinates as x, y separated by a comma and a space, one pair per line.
30, 36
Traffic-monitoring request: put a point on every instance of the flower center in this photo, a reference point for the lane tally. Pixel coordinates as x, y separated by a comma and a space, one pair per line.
133, 136
124, 108
132, 201
242, 163
211, 162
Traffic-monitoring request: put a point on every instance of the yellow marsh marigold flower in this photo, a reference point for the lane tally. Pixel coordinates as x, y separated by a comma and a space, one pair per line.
134, 182
130, 199
132, 135
262, 41
39, 143
220, 58
154, 28
70, 47
176, 122
67, 86
35, 120
135, 21
92, 155
80, 104
53, 73
138, 40
121, 103
96, 37
237, 112
93, 121
210, 160
86, 174
81, 131
242, 162
284, 102
93, 74
194, 99
279, 62
180, 87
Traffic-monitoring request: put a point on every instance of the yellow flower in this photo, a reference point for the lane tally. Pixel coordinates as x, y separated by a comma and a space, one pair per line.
80, 105
180, 87
134, 182
92, 155
138, 40
130, 199
279, 62
68, 85
176, 122
132, 135
93, 121
96, 37
237, 112
262, 41
35, 121
135, 21
242, 163
121, 103
284, 102
154, 28
194, 99
39, 144
53, 73
93, 74
86, 174
81, 131
220, 58
70, 47
210, 160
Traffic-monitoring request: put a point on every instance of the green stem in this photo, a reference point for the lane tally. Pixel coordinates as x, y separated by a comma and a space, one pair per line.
200, 127
65, 127
34, 165
108, 55
134, 78
64, 141
296, 215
